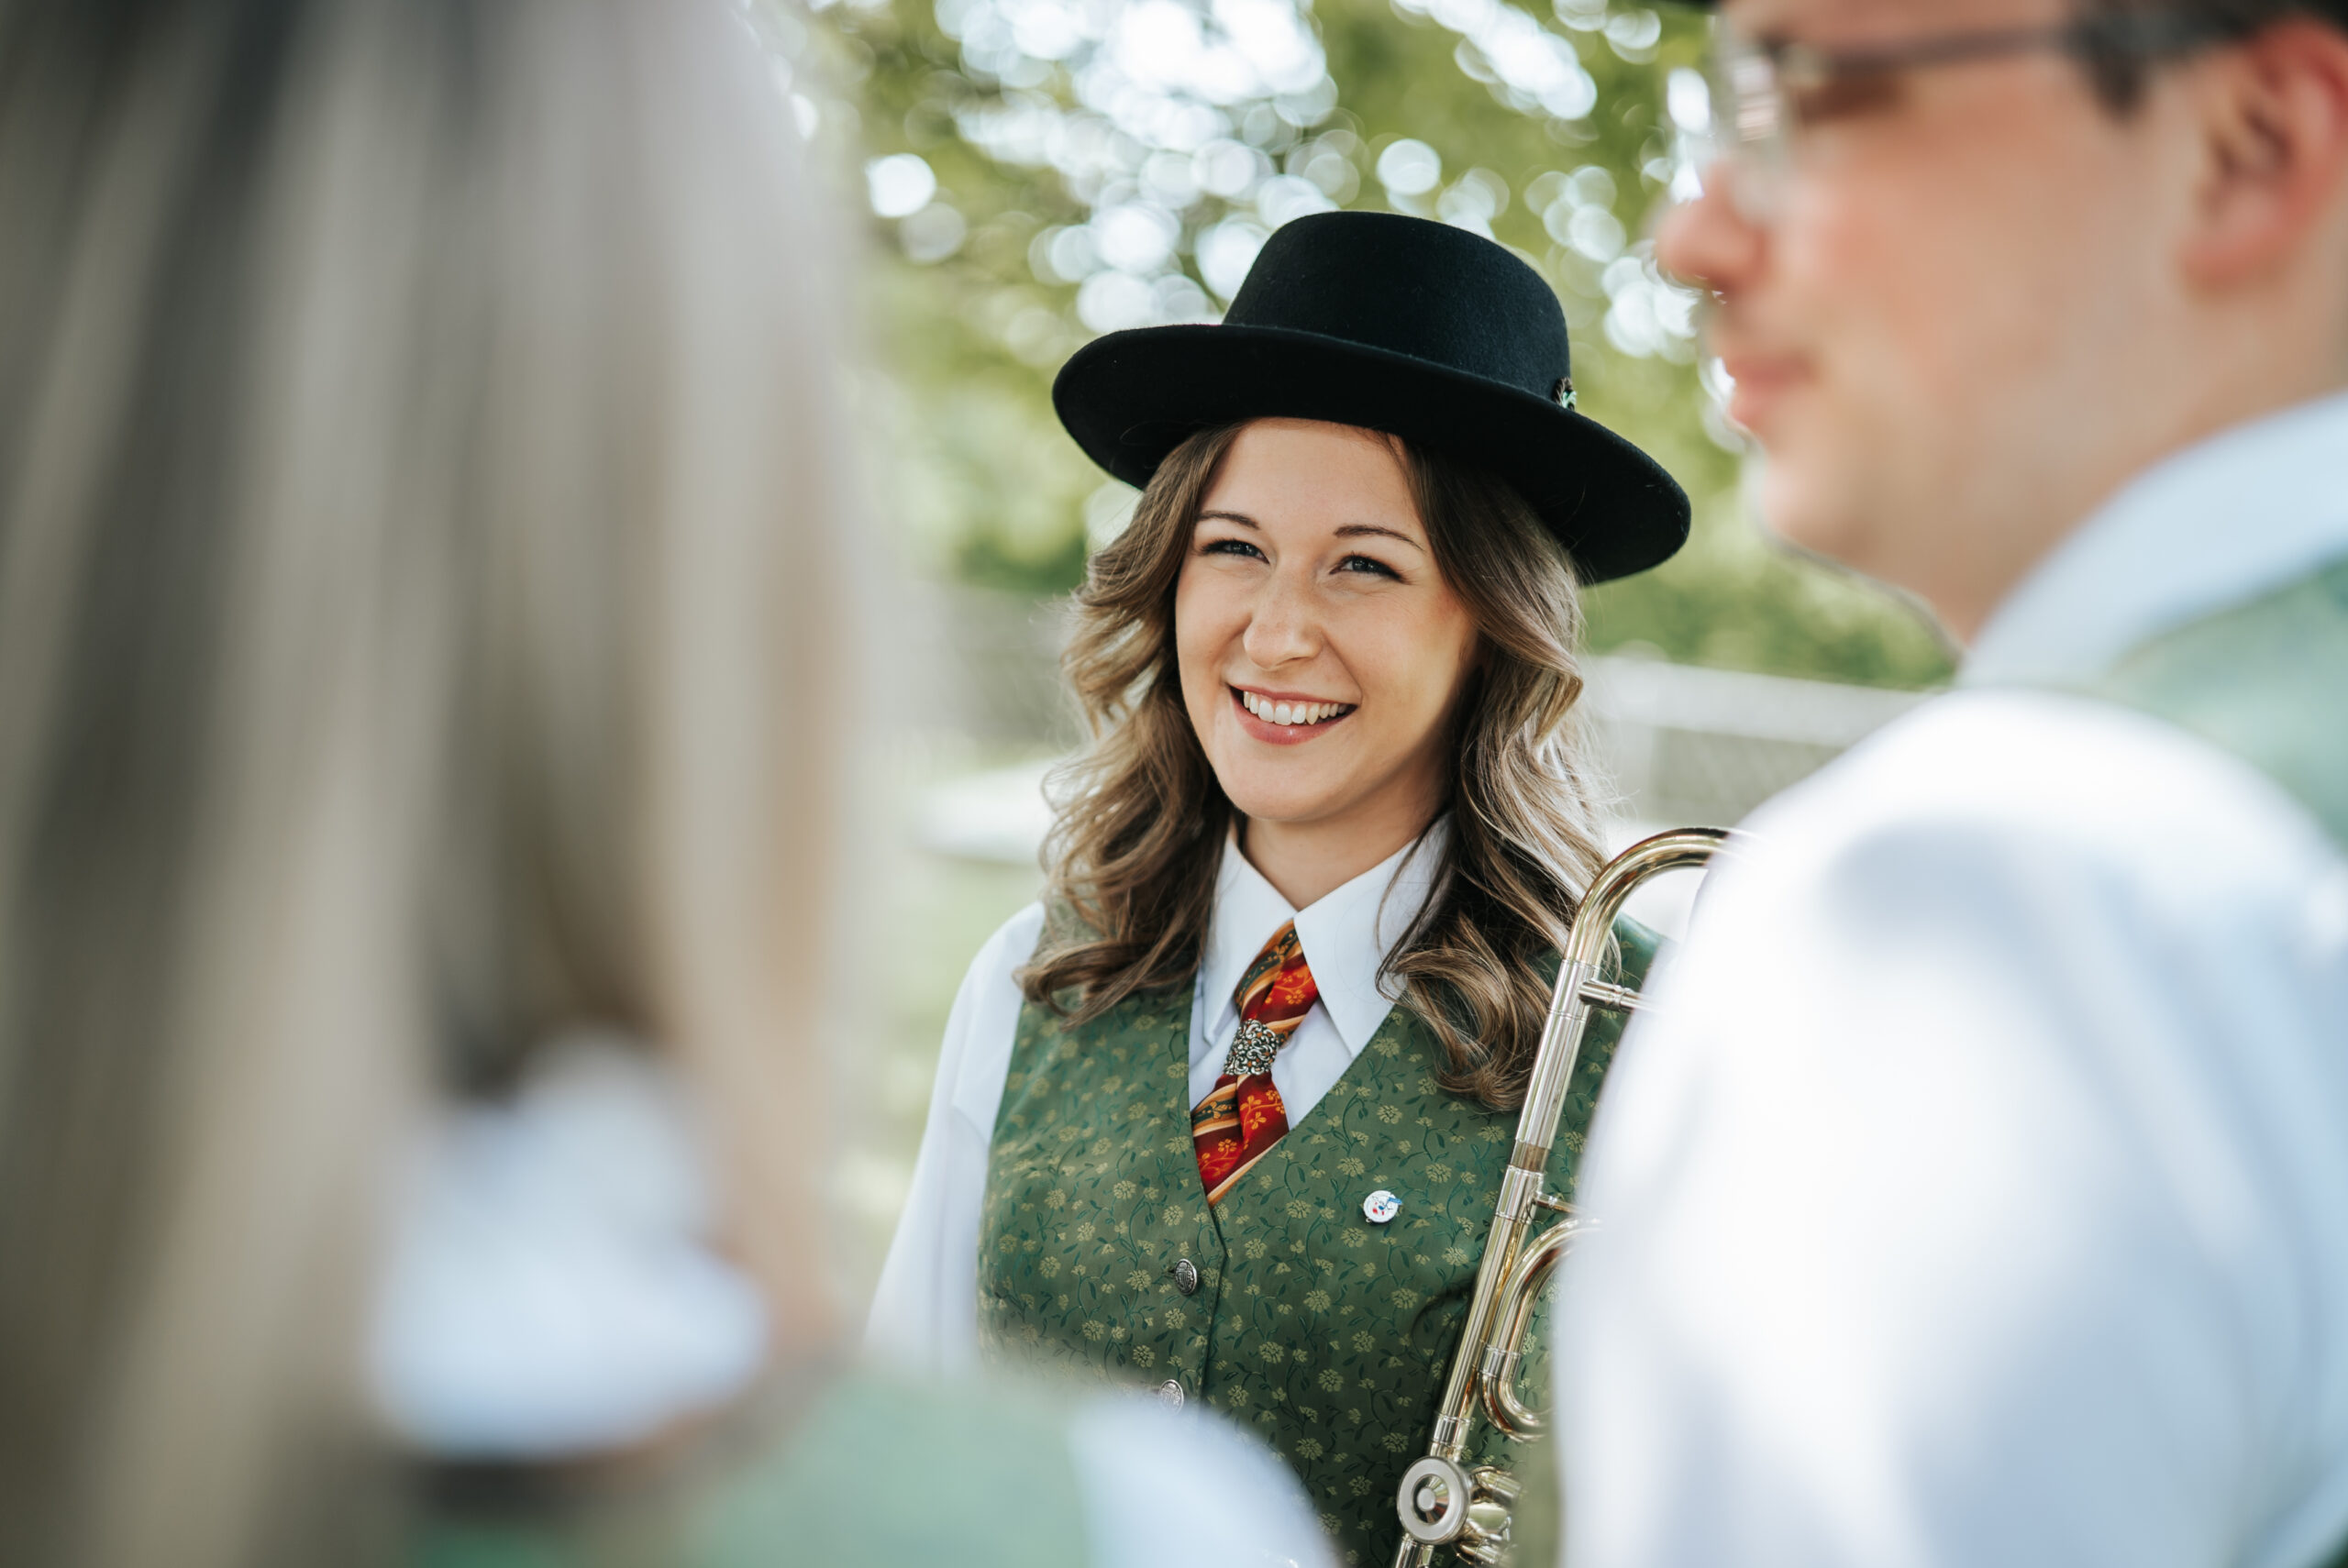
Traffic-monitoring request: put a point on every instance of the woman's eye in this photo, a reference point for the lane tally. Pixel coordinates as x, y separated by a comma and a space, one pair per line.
1365, 564
1229, 547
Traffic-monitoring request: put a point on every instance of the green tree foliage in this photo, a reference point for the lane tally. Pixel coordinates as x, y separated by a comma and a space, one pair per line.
1043, 169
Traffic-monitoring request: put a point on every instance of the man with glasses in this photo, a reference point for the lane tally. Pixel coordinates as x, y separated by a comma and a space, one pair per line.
1978, 1193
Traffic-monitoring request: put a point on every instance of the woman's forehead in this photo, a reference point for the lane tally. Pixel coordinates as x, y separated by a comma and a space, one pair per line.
1307, 474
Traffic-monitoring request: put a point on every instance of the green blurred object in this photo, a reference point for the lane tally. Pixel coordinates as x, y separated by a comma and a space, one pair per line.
2260, 681
869, 1472
1041, 137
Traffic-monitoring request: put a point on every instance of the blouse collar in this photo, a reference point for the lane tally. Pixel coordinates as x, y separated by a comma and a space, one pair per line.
1346, 934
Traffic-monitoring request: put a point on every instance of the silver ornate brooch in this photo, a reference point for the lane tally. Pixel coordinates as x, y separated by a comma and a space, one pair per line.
1253, 1051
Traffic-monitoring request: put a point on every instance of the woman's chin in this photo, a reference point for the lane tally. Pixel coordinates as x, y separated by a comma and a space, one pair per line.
1289, 803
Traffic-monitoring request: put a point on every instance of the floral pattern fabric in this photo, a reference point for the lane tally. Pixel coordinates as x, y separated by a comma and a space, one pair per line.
1326, 1334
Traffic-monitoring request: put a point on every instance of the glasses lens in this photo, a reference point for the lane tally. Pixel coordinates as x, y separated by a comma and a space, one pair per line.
1689, 101
1750, 98
1731, 129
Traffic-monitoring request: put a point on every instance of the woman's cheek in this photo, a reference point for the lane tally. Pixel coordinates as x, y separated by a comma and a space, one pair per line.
1385, 661
1415, 677
1193, 657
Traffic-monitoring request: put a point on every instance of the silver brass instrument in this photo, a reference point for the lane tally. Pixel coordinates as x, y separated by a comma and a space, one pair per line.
1442, 1504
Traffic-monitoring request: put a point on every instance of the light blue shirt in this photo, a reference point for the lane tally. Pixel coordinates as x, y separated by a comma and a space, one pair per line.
1978, 1192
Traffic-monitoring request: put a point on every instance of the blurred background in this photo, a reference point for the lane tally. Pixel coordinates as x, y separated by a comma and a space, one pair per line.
1035, 172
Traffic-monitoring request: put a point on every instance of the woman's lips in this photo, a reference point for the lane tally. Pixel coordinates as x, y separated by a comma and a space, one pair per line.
1281, 734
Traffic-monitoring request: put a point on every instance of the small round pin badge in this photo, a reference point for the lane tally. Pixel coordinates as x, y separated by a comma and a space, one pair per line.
1380, 1206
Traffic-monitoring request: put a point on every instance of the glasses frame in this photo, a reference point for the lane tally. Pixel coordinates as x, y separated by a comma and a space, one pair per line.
1750, 81
2092, 40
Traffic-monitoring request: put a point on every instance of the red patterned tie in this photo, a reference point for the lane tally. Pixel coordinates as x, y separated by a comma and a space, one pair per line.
1241, 1117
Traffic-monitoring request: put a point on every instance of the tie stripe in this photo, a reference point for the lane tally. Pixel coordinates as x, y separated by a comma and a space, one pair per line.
1242, 1116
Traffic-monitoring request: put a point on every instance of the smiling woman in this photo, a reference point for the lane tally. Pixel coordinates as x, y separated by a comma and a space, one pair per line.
1289, 562
1183, 1133
1323, 655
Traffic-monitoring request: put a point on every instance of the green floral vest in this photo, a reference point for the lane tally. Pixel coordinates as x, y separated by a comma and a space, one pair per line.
1326, 1334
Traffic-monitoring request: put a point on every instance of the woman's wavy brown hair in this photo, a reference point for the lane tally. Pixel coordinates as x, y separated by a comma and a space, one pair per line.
1132, 859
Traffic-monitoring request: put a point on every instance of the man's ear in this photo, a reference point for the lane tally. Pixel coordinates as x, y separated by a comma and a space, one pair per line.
2274, 125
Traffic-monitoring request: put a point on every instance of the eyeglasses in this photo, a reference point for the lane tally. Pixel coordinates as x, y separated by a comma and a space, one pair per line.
1751, 115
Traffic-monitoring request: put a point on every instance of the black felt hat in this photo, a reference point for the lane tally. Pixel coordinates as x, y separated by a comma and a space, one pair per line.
1396, 324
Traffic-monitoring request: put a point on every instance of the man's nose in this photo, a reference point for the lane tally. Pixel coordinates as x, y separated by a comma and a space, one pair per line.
1707, 242
1283, 626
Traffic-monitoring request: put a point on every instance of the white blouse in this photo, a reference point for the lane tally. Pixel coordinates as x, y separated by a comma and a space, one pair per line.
925, 1311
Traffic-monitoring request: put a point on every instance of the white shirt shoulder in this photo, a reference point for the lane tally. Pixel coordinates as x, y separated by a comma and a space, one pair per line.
925, 1310
1974, 1193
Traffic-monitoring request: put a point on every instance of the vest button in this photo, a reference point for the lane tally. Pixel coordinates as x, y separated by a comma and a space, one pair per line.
1186, 1278
1169, 1394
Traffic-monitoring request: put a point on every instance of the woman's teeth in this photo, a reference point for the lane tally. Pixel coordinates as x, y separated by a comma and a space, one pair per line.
1273, 712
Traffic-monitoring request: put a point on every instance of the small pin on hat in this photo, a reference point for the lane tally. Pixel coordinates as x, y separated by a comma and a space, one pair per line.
1380, 1206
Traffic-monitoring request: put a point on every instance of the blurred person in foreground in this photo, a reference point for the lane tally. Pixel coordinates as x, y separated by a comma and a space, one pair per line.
1978, 1192
426, 630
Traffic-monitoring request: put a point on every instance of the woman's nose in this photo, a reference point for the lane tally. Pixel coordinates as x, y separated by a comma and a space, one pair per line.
1281, 628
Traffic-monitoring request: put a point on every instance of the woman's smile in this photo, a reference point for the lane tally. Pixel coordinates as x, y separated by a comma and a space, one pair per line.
1282, 718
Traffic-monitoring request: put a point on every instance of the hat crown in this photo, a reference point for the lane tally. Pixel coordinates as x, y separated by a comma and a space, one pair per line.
1395, 324
1413, 287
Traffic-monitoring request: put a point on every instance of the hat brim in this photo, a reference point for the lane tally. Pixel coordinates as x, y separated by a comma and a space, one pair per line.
1130, 398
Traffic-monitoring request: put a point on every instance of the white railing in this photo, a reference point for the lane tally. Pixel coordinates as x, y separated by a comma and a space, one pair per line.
1681, 745
1703, 747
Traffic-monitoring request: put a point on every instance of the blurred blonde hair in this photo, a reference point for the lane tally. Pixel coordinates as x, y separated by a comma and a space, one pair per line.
420, 616
1132, 855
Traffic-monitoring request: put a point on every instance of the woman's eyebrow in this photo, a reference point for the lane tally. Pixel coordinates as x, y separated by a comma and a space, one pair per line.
1347, 531
1370, 530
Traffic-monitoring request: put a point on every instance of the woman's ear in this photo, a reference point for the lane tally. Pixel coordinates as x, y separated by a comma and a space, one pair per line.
2275, 127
